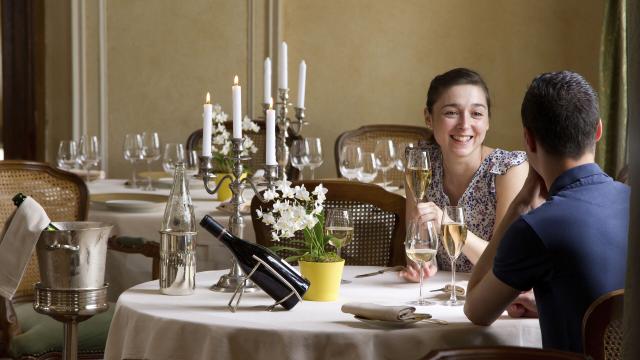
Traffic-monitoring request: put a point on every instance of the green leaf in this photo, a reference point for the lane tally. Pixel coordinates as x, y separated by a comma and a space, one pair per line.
293, 258
289, 248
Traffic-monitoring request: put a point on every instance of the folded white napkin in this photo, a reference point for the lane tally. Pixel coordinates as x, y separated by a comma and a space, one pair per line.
379, 312
21, 234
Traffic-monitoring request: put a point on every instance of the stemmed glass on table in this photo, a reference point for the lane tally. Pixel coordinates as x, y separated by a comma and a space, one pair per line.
88, 153
150, 153
338, 226
191, 163
173, 154
369, 171
351, 161
314, 152
385, 152
132, 150
67, 154
421, 247
454, 236
299, 154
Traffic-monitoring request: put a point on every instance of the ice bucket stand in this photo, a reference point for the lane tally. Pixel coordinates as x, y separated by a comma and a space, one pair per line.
70, 306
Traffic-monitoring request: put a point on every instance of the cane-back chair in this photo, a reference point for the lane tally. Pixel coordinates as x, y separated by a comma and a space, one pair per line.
378, 217
367, 136
602, 327
26, 334
501, 353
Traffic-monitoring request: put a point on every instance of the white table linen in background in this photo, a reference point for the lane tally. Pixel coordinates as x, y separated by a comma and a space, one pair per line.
148, 325
126, 270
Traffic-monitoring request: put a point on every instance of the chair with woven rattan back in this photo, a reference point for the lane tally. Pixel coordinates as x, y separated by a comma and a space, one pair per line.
24, 333
602, 327
367, 136
378, 217
194, 142
501, 353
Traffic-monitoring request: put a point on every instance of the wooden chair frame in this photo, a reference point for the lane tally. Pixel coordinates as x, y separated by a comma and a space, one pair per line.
598, 316
352, 191
422, 131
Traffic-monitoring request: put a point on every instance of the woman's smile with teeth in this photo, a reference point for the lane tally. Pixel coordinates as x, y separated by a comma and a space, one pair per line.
461, 138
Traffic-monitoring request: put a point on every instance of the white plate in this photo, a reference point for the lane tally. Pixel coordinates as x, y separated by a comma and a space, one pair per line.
393, 324
129, 202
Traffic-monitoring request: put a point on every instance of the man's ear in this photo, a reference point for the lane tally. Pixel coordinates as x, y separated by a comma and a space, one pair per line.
529, 140
427, 118
599, 130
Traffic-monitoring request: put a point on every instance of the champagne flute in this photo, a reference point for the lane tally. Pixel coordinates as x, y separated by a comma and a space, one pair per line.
385, 152
418, 173
150, 152
173, 154
67, 154
299, 154
350, 161
421, 247
454, 236
132, 149
88, 153
369, 171
314, 147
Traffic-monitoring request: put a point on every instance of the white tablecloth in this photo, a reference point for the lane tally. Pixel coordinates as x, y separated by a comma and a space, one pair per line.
124, 270
148, 325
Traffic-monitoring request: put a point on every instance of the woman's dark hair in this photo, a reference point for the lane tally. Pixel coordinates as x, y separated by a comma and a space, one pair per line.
459, 76
561, 110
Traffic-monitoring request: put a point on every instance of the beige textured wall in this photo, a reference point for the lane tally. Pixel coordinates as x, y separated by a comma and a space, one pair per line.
371, 61
368, 61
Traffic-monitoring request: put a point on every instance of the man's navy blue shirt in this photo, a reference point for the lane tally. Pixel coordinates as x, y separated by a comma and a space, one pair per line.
570, 250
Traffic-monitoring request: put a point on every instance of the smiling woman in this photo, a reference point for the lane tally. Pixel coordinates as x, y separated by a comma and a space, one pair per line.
465, 172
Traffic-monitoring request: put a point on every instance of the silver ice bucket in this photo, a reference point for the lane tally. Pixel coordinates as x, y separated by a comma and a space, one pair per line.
74, 256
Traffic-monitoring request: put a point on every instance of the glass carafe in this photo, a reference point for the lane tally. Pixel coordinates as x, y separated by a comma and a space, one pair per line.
178, 239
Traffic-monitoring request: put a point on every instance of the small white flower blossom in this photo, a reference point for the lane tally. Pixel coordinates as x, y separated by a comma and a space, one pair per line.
320, 192
301, 193
270, 195
259, 213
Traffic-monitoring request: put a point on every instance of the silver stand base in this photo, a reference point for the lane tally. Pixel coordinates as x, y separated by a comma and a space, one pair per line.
230, 283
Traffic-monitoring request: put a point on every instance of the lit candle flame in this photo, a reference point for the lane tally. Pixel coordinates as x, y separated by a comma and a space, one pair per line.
235, 80
208, 98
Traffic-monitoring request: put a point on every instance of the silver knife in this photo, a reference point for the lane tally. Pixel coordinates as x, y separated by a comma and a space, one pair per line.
381, 271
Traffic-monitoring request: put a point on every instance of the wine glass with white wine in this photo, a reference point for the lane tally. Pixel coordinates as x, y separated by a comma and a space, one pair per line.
418, 173
338, 226
454, 236
421, 247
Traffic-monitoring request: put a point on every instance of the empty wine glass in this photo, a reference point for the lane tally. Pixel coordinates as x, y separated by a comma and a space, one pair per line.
454, 236
191, 163
385, 152
173, 154
314, 146
88, 153
421, 247
132, 150
67, 154
150, 153
401, 159
369, 170
351, 161
299, 154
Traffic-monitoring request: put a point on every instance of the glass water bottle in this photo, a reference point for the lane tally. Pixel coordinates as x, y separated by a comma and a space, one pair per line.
178, 239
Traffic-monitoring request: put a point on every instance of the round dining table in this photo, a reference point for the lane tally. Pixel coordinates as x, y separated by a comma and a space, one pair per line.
149, 325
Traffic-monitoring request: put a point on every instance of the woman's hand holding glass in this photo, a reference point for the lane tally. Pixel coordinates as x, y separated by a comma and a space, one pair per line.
421, 247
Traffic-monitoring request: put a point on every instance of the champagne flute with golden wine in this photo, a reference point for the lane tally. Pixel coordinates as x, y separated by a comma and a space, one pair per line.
418, 175
454, 236
421, 247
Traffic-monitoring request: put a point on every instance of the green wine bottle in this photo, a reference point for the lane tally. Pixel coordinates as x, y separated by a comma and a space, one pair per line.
17, 201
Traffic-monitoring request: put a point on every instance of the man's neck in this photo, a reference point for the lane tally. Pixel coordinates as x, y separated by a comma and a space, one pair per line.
555, 166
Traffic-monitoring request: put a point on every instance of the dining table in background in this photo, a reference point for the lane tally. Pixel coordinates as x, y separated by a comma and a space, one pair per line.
149, 325
126, 270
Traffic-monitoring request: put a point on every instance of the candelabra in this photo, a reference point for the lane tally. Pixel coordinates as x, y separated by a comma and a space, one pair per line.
284, 123
231, 281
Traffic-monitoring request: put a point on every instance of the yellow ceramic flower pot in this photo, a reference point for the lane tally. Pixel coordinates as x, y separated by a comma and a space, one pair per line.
224, 192
325, 279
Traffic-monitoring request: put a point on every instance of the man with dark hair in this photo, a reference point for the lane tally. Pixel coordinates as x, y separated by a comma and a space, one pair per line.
565, 233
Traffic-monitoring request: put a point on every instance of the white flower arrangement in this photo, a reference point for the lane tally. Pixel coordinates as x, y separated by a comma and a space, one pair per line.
221, 138
296, 209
